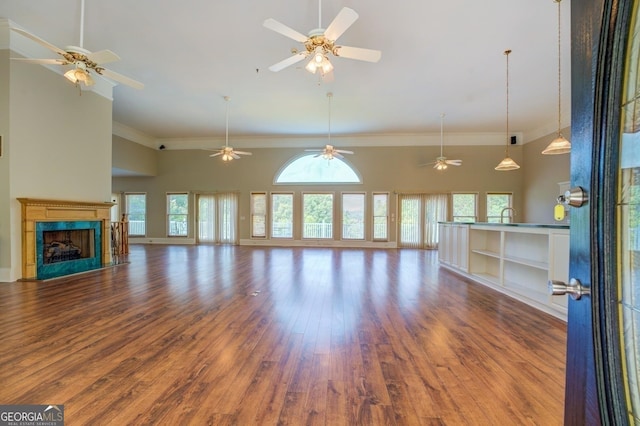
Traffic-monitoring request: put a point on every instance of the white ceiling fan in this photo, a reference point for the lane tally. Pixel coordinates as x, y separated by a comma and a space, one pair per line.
442, 162
82, 60
329, 152
321, 42
227, 152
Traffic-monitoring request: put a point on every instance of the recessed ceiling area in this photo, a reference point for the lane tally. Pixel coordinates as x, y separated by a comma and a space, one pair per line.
437, 57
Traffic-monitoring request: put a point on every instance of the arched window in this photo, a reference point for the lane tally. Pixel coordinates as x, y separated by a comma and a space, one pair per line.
312, 169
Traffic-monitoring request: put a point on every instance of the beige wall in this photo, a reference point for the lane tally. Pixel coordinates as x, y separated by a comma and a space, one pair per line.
390, 169
541, 177
134, 158
5, 206
58, 145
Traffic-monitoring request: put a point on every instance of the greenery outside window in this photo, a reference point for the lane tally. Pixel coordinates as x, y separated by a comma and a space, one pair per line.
464, 207
281, 215
177, 214
496, 203
317, 215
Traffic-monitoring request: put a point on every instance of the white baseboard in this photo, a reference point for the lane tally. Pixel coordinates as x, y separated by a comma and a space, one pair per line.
183, 241
318, 243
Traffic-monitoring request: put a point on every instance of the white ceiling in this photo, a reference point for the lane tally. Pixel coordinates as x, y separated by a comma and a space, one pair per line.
437, 57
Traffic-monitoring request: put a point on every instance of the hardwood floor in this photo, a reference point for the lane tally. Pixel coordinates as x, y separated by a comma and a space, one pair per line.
249, 335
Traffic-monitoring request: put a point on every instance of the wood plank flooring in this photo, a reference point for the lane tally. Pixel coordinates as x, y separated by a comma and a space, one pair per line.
228, 335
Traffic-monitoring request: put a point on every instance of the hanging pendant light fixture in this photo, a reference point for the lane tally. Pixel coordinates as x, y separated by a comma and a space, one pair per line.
508, 163
560, 145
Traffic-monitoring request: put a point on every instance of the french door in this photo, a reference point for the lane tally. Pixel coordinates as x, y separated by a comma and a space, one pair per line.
604, 311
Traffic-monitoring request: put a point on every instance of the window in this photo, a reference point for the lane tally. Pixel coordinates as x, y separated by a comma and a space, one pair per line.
258, 215
281, 215
136, 205
353, 216
312, 169
380, 216
464, 207
177, 214
317, 216
496, 205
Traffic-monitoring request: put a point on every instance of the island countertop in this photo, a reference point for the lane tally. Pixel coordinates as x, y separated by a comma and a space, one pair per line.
527, 225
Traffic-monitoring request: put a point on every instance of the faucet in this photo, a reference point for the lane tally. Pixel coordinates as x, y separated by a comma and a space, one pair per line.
513, 211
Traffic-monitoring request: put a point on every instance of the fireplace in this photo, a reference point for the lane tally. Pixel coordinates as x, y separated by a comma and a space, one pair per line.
67, 247
64, 237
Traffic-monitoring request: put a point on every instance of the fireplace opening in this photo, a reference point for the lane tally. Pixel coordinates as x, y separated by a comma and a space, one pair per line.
66, 245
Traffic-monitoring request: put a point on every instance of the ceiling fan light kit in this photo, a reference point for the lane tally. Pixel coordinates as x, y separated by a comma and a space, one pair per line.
329, 152
507, 163
320, 43
227, 152
82, 60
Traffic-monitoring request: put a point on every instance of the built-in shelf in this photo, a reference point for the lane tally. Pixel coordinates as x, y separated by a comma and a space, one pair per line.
518, 261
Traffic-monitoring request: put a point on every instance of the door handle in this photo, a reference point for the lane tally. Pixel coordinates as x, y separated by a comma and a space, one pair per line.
575, 288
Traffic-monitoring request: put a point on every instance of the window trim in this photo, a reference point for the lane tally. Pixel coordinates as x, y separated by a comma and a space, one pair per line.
364, 215
487, 194
128, 213
168, 213
293, 214
333, 215
252, 215
373, 216
475, 217
311, 183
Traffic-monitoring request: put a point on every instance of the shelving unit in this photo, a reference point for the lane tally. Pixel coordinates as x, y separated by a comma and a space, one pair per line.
516, 260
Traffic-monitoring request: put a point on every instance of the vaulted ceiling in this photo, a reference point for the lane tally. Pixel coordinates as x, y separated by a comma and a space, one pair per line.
437, 57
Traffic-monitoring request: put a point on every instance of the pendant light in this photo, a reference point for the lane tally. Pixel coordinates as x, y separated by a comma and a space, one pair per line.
508, 163
560, 145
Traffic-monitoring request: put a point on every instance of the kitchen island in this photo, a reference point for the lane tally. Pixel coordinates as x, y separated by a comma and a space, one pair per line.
517, 259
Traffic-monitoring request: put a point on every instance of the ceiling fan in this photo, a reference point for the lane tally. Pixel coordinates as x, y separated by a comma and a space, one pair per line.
329, 152
321, 42
442, 162
227, 152
82, 60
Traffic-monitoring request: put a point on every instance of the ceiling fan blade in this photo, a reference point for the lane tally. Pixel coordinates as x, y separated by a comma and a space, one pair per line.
243, 153
120, 78
337, 154
345, 18
342, 151
313, 150
454, 162
39, 40
358, 53
288, 62
234, 155
103, 56
216, 154
280, 28
41, 61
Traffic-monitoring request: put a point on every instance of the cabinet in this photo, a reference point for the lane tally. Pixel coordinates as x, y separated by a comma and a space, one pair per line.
453, 245
514, 259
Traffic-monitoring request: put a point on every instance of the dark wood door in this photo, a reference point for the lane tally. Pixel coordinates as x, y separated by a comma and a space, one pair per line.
595, 390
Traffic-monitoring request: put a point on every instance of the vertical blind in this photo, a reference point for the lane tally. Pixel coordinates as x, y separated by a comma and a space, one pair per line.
419, 216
